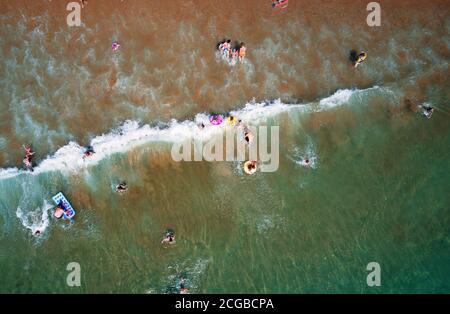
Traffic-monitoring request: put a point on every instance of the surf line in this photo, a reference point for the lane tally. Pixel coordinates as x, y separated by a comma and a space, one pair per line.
213, 149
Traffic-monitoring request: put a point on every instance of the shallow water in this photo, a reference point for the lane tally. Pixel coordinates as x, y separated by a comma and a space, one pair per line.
377, 190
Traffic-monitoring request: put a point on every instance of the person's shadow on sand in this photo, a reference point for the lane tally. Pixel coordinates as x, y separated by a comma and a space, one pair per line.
353, 56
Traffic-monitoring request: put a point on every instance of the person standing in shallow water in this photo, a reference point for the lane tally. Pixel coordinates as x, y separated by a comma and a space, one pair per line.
242, 51
225, 47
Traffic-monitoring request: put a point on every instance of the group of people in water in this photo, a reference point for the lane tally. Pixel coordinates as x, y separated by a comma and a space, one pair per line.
89, 152
237, 52
250, 166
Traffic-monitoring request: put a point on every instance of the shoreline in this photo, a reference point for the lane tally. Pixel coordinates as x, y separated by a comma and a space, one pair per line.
293, 55
150, 133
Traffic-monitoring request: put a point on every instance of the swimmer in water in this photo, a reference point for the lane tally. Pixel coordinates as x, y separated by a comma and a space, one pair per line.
307, 162
115, 46
37, 232
232, 120
183, 289
427, 110
250, 166
361, 58
59, 211
169, 238
89, 152
121, 187
248, 136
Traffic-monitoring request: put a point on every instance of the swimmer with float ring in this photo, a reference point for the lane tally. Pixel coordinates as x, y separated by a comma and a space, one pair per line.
250, 167
232, 120
361, 58
216, 119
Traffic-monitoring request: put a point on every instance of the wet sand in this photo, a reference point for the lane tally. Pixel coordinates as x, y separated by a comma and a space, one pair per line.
167, 68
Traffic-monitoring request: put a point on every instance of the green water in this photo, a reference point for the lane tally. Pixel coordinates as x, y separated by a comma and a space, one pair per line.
378, 193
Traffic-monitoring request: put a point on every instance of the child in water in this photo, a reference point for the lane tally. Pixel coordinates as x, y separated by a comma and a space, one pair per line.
225, 47
234, 53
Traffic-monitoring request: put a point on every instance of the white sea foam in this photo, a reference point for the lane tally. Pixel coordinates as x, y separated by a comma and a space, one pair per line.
305, 157
36, 220
131, 134
10, 173
340, 97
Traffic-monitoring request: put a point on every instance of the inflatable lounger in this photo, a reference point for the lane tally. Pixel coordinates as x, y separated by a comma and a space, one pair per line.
69, 211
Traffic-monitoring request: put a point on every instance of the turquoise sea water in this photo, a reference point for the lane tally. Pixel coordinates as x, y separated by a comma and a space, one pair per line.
376, 193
